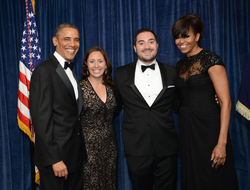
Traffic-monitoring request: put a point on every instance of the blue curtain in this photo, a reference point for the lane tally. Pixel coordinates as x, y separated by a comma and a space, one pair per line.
112, 24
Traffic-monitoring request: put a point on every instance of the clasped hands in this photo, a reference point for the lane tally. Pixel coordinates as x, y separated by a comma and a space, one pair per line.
60, 169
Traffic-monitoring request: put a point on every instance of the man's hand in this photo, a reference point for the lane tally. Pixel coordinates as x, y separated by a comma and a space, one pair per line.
216, 99
60, 169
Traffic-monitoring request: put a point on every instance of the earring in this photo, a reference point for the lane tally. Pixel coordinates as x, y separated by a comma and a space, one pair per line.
105, 72
87, 72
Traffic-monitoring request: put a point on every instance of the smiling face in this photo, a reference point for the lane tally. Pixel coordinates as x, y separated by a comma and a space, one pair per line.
188, 44
67, 43
96, 64
146, 47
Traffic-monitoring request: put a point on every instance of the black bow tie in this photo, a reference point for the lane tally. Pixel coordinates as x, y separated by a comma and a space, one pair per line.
70, 65
144, 67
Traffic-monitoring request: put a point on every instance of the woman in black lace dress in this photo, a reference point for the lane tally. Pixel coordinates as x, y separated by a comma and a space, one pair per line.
97, 121
206, 150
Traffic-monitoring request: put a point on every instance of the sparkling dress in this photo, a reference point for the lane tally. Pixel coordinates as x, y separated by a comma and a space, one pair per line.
99, 134
200, 126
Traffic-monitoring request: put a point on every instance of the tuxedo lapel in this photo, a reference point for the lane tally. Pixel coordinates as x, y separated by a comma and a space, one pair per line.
60, 71
164, 81
131, 76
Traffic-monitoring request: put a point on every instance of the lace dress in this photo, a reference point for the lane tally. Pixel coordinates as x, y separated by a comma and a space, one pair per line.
100, 138
200, 126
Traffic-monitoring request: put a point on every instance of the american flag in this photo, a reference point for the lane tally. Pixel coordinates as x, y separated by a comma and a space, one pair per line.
30, 56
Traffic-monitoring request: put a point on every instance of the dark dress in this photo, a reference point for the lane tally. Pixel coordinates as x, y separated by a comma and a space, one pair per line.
100, 138
200, 126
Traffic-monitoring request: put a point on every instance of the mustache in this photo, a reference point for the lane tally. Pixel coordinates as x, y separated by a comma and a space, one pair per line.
147, 49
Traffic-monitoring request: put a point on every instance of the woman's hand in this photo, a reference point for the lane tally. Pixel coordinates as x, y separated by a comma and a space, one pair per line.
218, 156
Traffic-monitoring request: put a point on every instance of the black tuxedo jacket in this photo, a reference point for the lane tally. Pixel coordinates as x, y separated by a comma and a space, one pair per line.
145, 127
55, 116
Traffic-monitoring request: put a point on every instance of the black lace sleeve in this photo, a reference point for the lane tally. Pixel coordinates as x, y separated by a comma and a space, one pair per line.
210, 59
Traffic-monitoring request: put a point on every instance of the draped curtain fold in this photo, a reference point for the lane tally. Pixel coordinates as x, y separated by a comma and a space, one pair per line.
112, 24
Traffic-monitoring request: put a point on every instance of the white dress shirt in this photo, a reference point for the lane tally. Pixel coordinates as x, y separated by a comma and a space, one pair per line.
69, 73
149, 82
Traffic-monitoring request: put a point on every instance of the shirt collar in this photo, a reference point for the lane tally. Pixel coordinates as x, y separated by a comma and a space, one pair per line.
139, 63
60, 59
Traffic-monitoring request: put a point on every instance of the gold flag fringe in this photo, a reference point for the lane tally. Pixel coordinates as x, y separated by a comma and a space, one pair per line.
243, 110
33, 5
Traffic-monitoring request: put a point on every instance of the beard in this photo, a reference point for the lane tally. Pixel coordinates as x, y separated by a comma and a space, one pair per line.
149, 59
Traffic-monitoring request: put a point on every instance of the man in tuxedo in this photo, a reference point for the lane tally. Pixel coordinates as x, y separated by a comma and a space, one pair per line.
55, 106
146, 89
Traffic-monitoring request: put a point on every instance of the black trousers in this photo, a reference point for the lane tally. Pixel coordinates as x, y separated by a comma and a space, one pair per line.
48, 181
148, 170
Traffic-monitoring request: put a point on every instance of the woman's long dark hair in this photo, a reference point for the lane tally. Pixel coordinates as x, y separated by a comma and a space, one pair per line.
106, 77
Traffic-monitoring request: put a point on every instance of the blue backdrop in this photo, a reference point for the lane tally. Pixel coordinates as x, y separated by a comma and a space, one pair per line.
112, 24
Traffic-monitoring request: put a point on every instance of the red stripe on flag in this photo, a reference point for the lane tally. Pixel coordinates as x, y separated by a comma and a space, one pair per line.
25, 129
23, 118
24, 80
24, 99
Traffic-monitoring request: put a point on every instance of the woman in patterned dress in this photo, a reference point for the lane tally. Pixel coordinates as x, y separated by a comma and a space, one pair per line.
205, 145
97, 121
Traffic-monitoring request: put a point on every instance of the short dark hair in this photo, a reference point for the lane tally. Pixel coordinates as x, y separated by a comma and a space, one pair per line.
106, 77
144, 30
64, 25
183, 24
